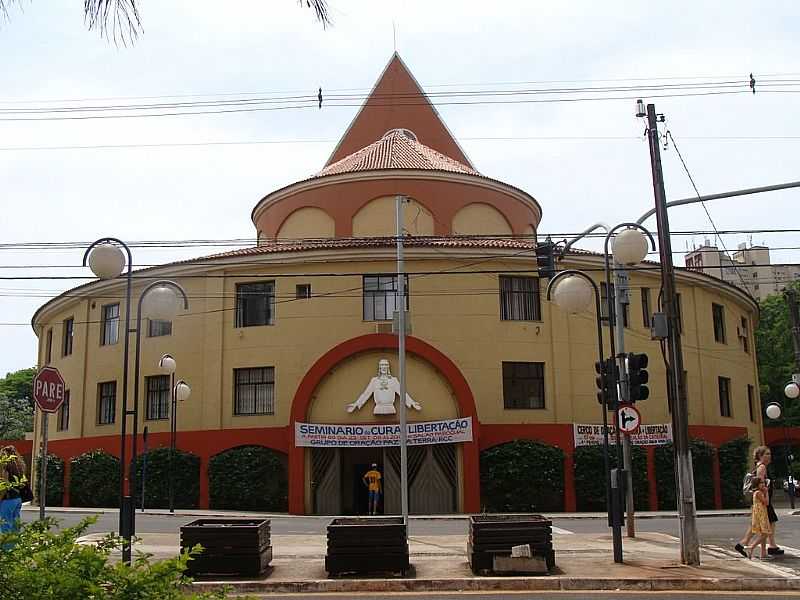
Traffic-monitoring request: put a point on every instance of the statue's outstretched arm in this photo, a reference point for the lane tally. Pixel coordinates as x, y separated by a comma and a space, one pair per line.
411, 403
362, 399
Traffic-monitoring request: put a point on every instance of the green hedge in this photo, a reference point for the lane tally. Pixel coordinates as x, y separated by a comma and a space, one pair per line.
522, 476
94, 480
702, 453
186, 475
734, 462
249, 478
55, 480
590, 484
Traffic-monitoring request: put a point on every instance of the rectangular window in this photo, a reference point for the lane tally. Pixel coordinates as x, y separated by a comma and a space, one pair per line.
604, 304
106, 402
751, 402
254, 391
646, 310
109, 327
68, 335
49, 350
523, 385
255, 304
745, 334
724, 396
63, 413
158, 328
718, 314
303, 291
520, 299
158, 396
679, 312
380, 297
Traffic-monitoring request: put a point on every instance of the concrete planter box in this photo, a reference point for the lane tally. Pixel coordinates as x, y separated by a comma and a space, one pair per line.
231, 546
369, 545
494, 535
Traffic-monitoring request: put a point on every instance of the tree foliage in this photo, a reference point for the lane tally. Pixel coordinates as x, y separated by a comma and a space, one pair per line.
776, 355
185, 474
702, 465
248, 478
16, 418
19, 384
522, 476
94, 480
590, 480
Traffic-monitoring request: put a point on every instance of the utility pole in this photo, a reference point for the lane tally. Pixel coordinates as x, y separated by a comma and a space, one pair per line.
401, 359
621, 301
676, 391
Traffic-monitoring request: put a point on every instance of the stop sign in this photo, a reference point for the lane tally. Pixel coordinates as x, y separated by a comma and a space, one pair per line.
48, 389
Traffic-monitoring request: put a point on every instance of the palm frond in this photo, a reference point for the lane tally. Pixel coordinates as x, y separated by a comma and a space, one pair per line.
320, 8
116, 20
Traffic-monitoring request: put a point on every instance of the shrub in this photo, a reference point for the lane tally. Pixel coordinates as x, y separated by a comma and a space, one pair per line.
703, 479
185, 472
734, 462
40, 564
55, 480
248, 478
522, 476
590, 482
94, 480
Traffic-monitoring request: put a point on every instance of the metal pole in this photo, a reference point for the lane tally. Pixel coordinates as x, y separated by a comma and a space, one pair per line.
144, 464
621, 300
172, 434
43, 467
690, 548
401, 352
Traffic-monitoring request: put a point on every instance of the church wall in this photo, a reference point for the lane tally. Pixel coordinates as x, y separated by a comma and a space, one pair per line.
307, 223
378, 218
480, 219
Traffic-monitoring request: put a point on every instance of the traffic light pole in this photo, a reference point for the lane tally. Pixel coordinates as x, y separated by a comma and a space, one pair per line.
676, 391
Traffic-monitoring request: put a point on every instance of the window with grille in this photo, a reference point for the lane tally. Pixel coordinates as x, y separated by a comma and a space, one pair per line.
109, 326
724, 396
106, 402
255, 304
158, 327
380, 297
523, 385
679, 312
303, 291
520, 299
49, 350
751, 402
254, 391
63, 413
718, 313
745, 336
604, 304
158, 397
647, 313
69, 334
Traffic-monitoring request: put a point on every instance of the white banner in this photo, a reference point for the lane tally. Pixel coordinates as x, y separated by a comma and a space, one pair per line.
648, 435
379, 434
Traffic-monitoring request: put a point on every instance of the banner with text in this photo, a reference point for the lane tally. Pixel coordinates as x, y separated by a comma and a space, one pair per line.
648, 435
354, 436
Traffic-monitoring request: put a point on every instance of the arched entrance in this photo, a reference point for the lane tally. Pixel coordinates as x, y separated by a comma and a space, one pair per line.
431, 464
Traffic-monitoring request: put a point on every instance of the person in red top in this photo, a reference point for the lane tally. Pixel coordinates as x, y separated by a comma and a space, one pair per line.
372, 479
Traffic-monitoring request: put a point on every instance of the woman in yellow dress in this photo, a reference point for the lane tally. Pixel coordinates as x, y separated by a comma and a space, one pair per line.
760, 525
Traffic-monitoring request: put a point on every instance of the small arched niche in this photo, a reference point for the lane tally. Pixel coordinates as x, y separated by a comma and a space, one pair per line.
378, 218
480, 219
307, 222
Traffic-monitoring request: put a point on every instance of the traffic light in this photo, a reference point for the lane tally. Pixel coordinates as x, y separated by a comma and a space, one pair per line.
637, 377
546, 258
607, 372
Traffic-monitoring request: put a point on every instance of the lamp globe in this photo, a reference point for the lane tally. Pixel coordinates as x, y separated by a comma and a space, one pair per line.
573, 294
106, 261
774, 410
161, 302
792, 390
182, 391
167, 363
630, 247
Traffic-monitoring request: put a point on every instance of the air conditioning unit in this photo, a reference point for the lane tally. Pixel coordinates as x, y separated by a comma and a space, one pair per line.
383, 327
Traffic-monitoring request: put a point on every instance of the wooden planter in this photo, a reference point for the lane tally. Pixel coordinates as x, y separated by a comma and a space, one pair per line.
494, 535
231, 546
367, 546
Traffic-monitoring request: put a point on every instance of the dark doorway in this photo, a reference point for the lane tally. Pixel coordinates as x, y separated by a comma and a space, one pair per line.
356, 462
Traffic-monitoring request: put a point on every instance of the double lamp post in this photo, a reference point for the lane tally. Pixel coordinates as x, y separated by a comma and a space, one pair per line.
158, 300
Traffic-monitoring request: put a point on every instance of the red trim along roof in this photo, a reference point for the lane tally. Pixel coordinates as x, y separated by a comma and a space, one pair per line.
397, 149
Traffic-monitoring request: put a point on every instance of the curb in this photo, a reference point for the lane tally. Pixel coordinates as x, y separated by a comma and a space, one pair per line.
486, 584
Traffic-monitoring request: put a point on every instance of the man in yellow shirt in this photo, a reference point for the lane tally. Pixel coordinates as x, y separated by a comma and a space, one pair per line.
372, 479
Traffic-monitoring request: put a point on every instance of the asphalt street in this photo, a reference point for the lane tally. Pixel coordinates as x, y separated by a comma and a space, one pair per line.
538, 596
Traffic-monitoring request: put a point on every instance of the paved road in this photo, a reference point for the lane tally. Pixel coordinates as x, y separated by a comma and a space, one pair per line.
540, 596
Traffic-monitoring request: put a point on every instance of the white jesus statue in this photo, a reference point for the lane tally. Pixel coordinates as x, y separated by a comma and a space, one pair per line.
384, 387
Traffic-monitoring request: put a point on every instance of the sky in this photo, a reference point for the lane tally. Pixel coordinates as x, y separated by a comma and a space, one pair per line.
583, 161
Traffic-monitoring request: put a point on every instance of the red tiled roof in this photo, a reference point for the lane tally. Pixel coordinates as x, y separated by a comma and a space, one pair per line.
397, 149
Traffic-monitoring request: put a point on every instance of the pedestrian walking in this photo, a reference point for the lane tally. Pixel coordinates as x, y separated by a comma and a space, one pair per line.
760, 526
762, 457
12, 472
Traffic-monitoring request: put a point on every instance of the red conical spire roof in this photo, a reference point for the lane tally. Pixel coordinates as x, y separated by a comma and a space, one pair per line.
397, 102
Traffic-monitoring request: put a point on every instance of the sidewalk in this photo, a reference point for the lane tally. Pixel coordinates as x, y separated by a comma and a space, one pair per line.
583, 562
